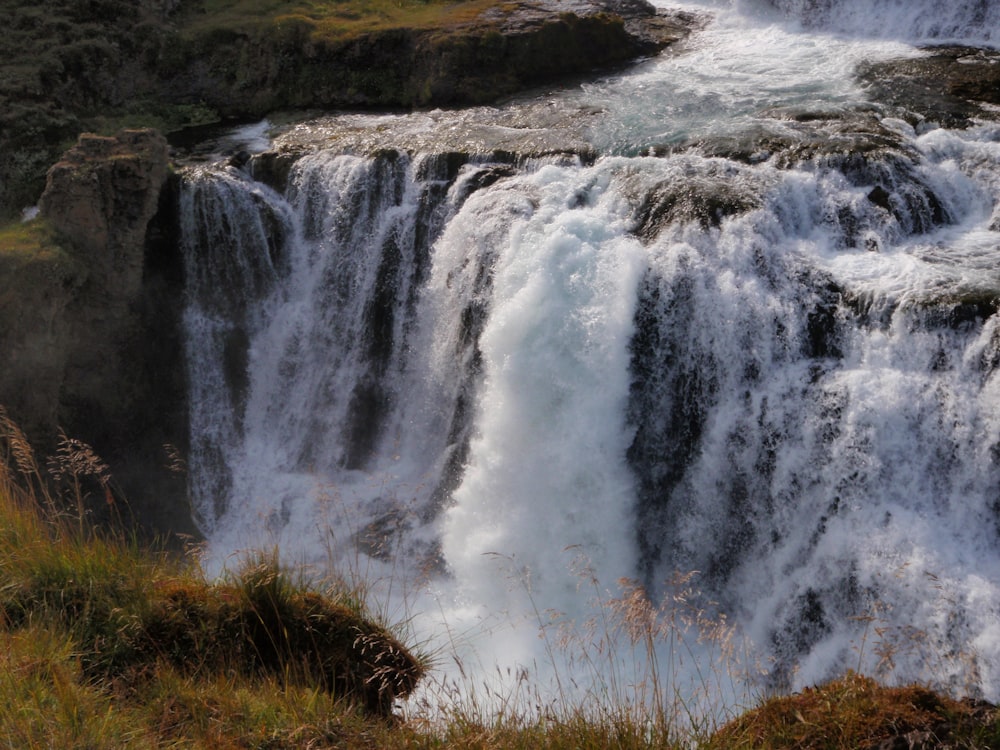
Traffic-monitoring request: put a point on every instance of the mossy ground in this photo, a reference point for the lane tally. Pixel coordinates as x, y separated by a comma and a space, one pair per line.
32, 260
27, 241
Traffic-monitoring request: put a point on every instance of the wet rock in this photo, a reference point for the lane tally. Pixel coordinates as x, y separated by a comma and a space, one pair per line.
861, 143
707, 200
273, 167
790, 136
950, 86
510, 133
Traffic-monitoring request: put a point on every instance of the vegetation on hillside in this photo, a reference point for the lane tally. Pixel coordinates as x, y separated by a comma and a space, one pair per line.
328, 19
108, 644
25, 243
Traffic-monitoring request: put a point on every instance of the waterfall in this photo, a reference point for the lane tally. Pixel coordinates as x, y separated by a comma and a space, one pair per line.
776, 368
961, 21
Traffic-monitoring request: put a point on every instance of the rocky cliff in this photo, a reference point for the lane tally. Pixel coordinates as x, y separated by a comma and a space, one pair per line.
494, 52
91, 321
67, 66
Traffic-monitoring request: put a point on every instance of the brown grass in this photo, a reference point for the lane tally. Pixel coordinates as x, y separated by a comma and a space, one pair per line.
328, 20
856, 713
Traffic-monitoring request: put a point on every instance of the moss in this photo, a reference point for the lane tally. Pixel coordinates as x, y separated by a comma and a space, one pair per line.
23, 244
855, 713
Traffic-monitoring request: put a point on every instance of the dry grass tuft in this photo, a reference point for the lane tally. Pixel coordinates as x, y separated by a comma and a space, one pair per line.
130, 611
856, 713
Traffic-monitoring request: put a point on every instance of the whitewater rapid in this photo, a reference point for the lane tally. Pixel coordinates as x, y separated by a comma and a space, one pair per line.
496, 388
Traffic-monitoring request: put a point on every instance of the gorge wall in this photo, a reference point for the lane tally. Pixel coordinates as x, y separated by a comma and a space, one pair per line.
69, 67
90, 323
90, 306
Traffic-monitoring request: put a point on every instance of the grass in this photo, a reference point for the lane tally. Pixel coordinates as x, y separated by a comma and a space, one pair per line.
856, 712
107, 640
23, 242
105, 643
326, 20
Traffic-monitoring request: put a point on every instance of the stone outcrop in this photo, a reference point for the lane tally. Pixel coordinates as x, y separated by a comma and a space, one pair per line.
950, 86
503, 50
106, 351
101, 196
161, 62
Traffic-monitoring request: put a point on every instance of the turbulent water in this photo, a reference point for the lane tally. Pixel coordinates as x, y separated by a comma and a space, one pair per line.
719, 345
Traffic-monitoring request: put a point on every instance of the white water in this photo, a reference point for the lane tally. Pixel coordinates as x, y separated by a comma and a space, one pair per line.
964, 21
808, 423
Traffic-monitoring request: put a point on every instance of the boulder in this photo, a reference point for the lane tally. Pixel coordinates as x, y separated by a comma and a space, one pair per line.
950, 86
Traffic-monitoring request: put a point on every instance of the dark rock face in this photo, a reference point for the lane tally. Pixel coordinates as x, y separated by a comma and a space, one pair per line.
504, 50
34, 335
706, 200
101, 196
110, 353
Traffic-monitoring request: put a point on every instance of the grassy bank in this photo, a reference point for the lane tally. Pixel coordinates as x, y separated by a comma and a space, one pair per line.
108, 644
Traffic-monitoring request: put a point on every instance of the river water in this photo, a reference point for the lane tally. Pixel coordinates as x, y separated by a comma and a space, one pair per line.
495, 386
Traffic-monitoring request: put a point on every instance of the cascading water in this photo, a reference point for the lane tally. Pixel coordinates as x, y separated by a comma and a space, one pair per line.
772, 363
967, 21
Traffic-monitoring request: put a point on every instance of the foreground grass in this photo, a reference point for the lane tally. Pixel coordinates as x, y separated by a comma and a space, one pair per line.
108, 644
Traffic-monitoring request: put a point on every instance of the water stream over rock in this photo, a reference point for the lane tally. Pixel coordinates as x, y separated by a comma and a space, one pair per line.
723, 312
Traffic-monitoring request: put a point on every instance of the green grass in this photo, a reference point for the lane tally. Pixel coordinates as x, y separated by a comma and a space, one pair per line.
330, 20
24, 241
31, 259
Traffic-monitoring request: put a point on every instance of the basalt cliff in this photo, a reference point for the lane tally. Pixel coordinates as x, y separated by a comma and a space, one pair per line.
68, 67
